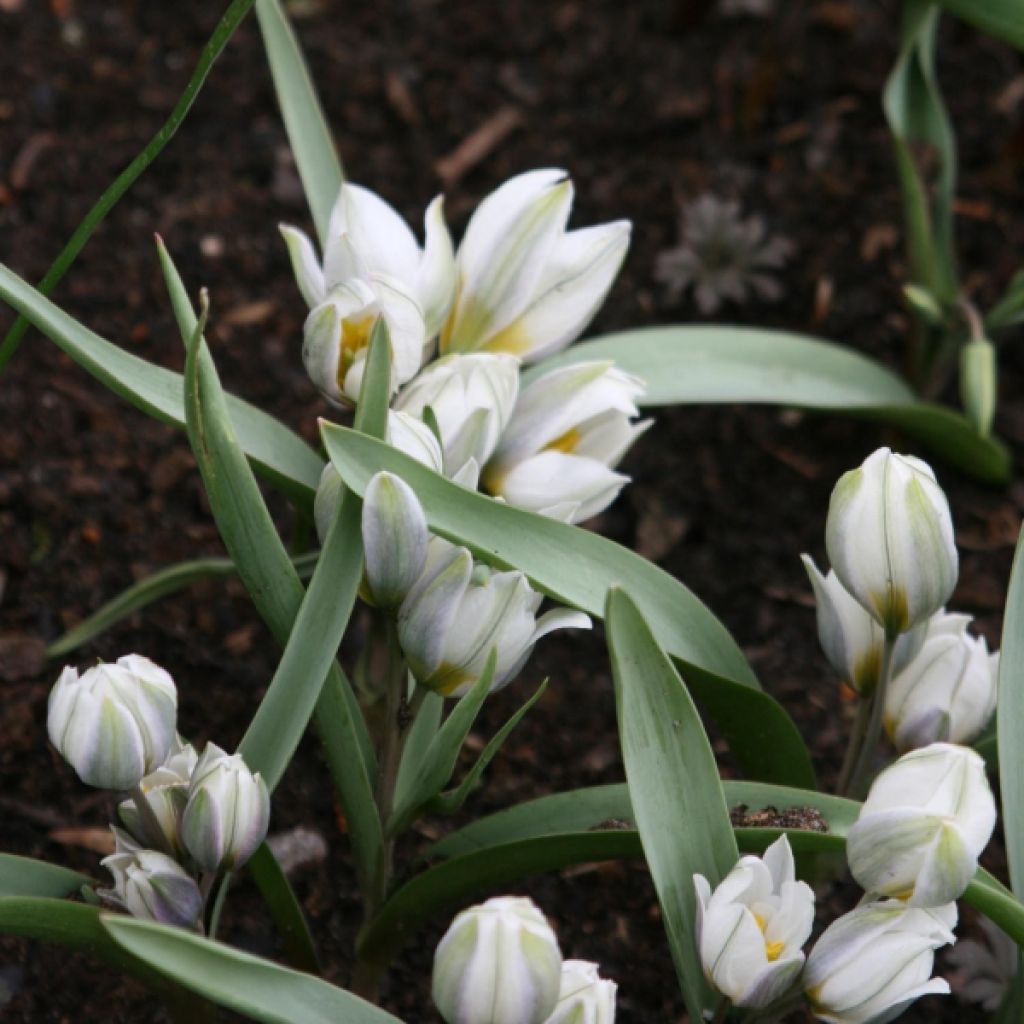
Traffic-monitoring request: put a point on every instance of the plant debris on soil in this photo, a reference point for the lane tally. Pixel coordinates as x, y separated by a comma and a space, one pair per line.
647, 105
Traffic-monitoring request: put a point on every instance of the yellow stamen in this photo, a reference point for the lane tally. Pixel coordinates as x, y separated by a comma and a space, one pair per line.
774, 950
567, 443
355, 336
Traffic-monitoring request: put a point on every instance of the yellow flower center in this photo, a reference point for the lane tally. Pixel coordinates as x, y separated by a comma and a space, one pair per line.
567, 443
355, 336
773, 950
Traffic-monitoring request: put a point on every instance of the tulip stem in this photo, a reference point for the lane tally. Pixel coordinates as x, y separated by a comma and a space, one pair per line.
150, 823
858, 782
853, 748
722, 1011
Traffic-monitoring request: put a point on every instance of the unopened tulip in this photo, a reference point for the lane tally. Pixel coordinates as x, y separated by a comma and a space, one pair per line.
948, 692
471, 398
458, 612
569, 428
409, 435
584, 997
365, 237
394, 540
152, 886
498, 963
924, 824
114, 723
227, 813
851, 639
873, 962
336, 336
752, 928
890, 540
527, 286
166, 792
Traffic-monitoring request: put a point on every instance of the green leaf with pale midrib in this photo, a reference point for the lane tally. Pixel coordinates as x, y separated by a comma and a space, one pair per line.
240, 981
684, 365
280, 455
577, 567
25, 876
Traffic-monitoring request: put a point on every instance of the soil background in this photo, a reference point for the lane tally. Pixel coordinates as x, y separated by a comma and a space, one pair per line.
646, 104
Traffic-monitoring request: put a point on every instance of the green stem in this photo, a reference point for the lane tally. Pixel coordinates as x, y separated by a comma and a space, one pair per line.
862, 768
218, 906
853, 748
106, 202
722, 1011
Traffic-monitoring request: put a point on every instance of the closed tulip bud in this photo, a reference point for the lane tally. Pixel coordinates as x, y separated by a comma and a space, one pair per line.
584, 997
336, 336
872, 963
498, 963
527, 286
924, 824
394, 540
890, 540
113, 723
458, 612
978, 382
471, 398
166, 792
409, 435
851, 639
227, 813
150, 885
752, 928
948, 692
366, 237
569, 428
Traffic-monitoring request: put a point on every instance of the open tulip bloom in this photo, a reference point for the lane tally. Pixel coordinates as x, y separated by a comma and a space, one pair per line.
751, 929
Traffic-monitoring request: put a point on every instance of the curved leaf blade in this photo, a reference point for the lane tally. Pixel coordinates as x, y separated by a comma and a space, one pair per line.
685, 365
577, 567
279, 454
247, 984
315, 154
1003, 19
1010, 721
672, 776
25, 876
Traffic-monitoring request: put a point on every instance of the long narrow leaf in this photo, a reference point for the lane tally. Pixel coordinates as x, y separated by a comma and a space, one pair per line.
279, 454
609, 806
680, 809
577, 567
259, 988
421, 734
1001, 18
211, 51
152, 588
689, 365
310, 138
1010, 722
24, 876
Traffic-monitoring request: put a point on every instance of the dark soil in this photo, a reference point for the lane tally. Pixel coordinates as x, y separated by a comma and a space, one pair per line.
644, 103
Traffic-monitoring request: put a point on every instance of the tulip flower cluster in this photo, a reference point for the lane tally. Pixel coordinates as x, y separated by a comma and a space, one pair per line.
190, 817
500, 963
451, 610
520, 287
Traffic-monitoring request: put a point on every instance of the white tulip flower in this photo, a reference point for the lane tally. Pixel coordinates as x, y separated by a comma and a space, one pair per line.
584, 997
227, 813
458, 612
872, 963
366, 237
889, 537
151, 885
569, 427
498, 963
406, 433
924, 824
395, 538
336, 336
752, 928
471, 398
948, 692
851, 639
114, 723
166, 792
527, 286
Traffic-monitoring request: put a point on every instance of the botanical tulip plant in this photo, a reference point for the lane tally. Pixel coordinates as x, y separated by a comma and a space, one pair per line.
472, 438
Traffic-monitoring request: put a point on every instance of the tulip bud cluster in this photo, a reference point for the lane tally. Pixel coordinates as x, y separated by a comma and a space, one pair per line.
519, 288
500, 963
451, 610
189, 817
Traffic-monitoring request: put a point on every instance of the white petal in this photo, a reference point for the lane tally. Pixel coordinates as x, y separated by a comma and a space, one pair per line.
308, 274
436, 278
